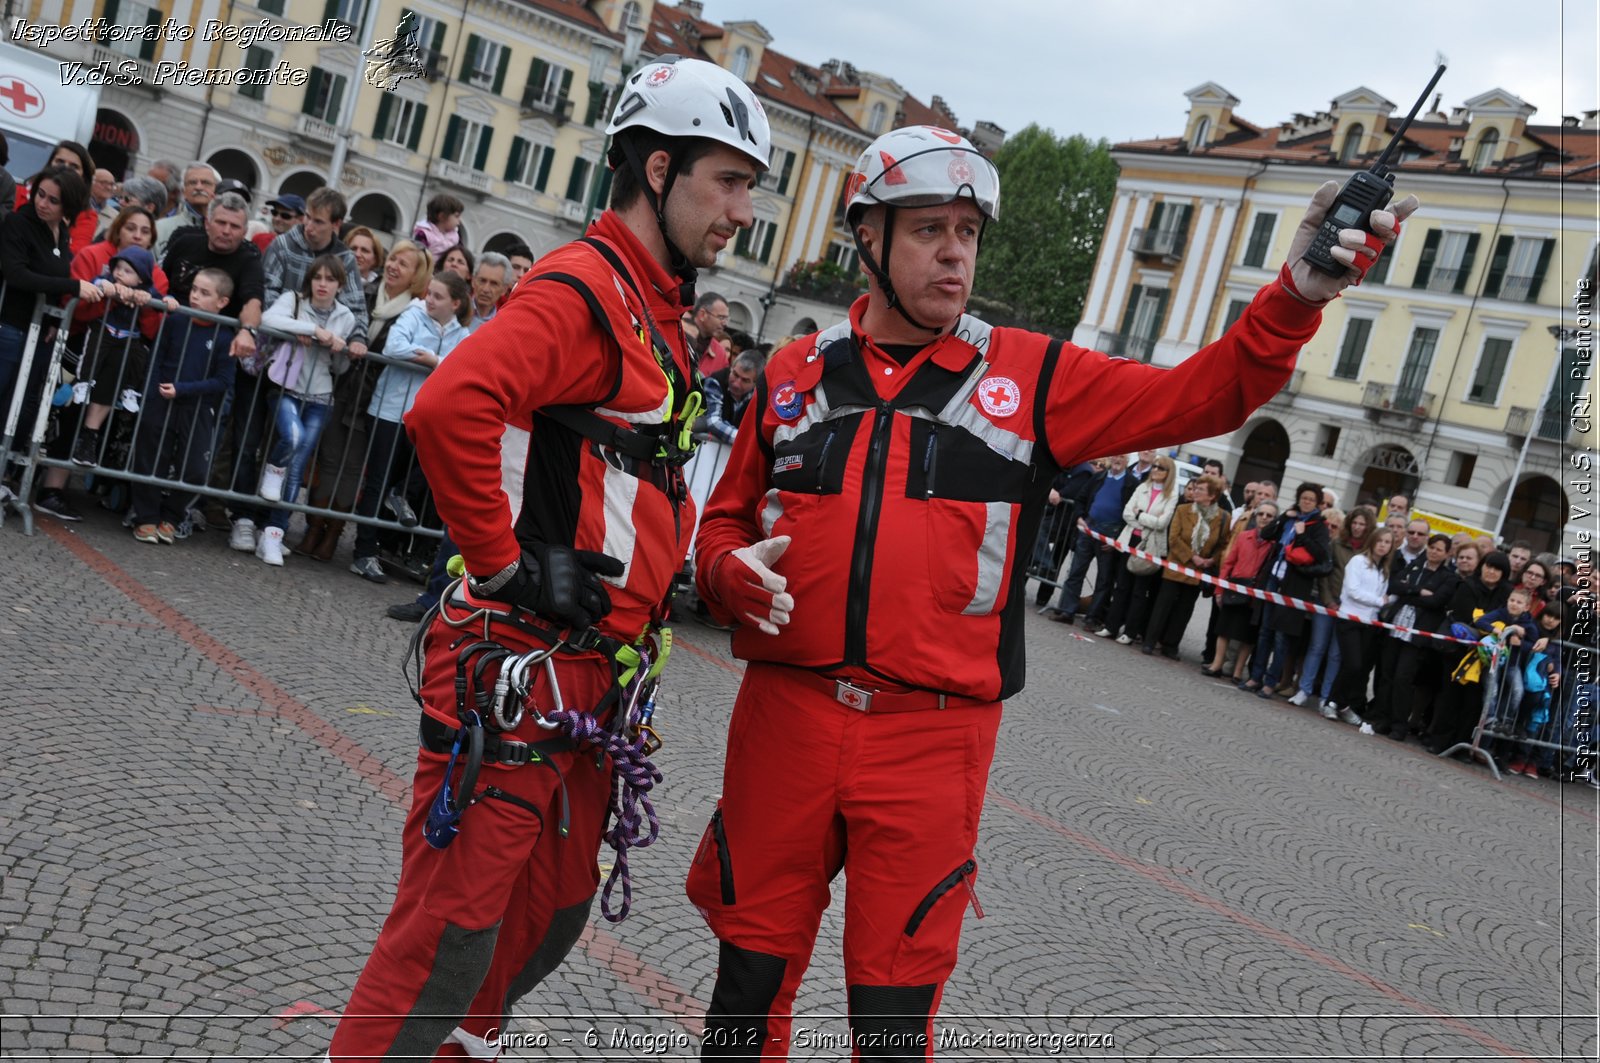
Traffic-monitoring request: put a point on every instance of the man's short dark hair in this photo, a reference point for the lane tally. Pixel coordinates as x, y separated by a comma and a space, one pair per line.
751, 360
1315, 489
518, 250
330, 200
707, 300
1212, 463
625, 187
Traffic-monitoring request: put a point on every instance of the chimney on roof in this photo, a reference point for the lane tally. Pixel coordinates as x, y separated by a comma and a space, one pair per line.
807, 81
1591, 120
1434, 114
1569, 121
692, 8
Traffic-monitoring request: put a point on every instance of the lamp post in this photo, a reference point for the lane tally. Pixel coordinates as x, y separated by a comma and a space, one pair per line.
1561, 335
632, 44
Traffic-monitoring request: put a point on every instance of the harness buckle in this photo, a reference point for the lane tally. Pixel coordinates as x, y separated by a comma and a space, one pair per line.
515, 754
852, 697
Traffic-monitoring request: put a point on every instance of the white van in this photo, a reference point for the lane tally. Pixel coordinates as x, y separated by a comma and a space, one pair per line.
37, 110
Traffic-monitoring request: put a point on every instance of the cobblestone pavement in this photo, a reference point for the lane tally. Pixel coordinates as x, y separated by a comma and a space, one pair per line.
206, 761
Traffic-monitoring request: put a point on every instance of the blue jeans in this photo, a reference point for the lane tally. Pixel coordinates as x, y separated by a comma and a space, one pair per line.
1324, 653
299, 425
1084, 550
438, 577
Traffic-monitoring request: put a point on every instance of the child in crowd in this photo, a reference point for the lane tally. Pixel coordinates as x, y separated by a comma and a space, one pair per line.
1541, 683
1515, 625
304, 370
115, 358
425, 333
441, 230
192, 373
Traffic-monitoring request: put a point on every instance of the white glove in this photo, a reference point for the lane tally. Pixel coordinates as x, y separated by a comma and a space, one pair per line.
746, 585
1353, 248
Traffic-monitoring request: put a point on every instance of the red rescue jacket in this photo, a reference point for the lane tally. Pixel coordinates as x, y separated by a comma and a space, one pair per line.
913, 493
548, 347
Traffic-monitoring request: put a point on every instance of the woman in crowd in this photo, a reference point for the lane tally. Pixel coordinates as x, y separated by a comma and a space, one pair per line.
75, 157
1349, 537
457, 260
1459, 703
1536, 579
1145, 517
35, 260
368, 249
304, 370
406, 272
1363, 591
424, 335
1422, 592
1301, 553
1242, 563
1195, 539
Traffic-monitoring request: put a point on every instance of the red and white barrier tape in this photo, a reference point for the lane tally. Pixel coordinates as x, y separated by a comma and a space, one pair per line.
1266, 596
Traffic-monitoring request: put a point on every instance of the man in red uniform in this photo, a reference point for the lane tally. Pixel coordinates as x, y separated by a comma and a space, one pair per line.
871, 534
587, 351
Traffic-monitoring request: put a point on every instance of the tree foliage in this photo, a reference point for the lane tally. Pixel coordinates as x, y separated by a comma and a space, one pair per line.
1054, 195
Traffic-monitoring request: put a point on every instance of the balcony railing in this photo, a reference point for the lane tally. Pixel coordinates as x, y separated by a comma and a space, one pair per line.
461, 176
316, 129
1516, 289
1389, 399
1121, 345
1161, 242
1443, 280
538, 100
1550, 425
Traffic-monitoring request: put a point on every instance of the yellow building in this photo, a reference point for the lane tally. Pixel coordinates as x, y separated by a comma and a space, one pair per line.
1438, 376
504, 105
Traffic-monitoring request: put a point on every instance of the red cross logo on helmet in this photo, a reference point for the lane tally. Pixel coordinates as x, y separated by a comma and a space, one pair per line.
659, 76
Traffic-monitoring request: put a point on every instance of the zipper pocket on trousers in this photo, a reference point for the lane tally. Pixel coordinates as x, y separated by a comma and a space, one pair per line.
946, 884
724, 858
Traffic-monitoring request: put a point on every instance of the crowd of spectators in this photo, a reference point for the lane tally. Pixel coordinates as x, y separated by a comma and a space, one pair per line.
1512, 609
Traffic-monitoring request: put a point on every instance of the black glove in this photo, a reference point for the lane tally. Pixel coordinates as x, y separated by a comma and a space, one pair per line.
561, 584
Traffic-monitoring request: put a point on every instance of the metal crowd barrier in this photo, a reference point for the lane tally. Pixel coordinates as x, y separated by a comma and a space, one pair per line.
1052, 552
1510, 729
242, 436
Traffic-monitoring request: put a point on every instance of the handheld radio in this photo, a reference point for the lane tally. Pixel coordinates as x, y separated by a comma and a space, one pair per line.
1365, 192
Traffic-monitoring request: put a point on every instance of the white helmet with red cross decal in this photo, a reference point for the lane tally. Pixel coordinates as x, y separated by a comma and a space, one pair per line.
922, 166
693, 98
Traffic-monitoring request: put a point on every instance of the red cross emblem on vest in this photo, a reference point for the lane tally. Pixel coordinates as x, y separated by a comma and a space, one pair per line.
999, 396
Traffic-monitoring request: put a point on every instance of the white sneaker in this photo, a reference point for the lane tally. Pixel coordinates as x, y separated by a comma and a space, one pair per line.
1103, 633
272, 483
1124, 640
270, 548
1328, 710
243, 536
1350, 717
1299, 698
1366, 728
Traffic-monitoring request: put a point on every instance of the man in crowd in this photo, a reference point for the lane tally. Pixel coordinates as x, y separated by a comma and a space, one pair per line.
1106, 496
1214, 467
287, 211
170, 174
1399, 504
284, 264
479, 924
702, 329
220, 244
1414, 544
103, 192
199, 186
488, 287
521, 258
1520, 554
728, 396
880, 590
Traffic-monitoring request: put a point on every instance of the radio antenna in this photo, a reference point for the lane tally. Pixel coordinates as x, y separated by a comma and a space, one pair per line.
1381, 167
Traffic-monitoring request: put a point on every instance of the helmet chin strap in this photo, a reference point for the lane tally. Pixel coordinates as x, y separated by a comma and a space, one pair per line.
677, 261
880, 270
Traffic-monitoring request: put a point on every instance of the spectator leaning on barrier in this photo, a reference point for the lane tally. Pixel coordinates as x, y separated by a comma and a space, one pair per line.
1242, 563
425, 335
1105, 498
191, 372
1461, 694
289, 256
1302, 553
1422, 591
728, 392
1196, 539
888, 578
115, 359
199, 188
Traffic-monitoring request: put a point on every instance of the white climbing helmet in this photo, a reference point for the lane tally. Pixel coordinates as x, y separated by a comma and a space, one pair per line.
922, 166
693, 98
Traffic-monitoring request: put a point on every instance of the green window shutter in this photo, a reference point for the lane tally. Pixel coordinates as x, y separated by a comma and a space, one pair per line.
741, 243
485, 137
438, 38
575, 183
1467, 258
335, 99
147, 50
1497, 265
766, 245
1186, 213
1430, 251
314, 92
469, 58
565, 92
519, 149
271, 7
605, 187
1539, 270
109, 13
452, 133
420, 119
597, 99
1133, 303
380, 128
545, 159
538, 74
1491, 370
1236, 309
1354, 349
1255, 249
500, 69
788, 169
1155, 217
1160, 316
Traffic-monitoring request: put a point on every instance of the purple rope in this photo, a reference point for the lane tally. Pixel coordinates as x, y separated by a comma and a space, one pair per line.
634, 776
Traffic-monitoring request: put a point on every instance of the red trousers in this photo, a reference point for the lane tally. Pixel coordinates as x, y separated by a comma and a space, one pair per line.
478, 924
811, 788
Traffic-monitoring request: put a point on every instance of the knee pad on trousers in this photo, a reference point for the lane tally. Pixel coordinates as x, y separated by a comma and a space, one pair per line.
566, 927
459, 964
890, 1022
736, 1021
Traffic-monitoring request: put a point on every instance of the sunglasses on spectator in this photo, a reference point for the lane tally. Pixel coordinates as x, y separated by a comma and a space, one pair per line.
276, 213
